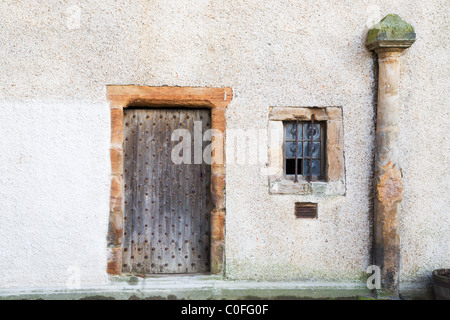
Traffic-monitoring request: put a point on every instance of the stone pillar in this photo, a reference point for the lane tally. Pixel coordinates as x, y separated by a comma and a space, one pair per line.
388, 39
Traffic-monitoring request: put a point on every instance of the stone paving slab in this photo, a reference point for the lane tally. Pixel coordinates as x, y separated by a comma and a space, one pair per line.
198, 287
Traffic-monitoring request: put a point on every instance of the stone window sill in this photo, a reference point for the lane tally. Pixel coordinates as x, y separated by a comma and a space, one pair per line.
280, 186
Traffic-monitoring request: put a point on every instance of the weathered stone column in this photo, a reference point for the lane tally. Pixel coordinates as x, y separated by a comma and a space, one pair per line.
388, 39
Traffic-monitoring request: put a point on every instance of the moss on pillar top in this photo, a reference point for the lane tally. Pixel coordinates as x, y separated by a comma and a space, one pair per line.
391, 32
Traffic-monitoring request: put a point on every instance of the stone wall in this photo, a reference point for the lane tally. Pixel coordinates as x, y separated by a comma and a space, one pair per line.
55, 126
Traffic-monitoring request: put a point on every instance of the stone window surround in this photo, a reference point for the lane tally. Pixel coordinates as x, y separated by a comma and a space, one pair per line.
334, 183
121, 97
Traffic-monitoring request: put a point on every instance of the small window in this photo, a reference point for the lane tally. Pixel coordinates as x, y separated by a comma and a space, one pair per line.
304, 150
291, 130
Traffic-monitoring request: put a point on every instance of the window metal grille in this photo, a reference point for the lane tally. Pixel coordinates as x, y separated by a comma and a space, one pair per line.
304, 145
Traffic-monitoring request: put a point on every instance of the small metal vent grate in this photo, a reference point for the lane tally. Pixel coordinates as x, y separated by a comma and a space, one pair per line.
306, 210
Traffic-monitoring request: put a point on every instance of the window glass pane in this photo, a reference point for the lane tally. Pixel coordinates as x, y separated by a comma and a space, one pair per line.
305, 130
315, 167
290, 131
307, 149
290, 150
290, 166
308, 129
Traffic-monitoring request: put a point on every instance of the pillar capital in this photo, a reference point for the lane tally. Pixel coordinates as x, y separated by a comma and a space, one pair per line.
392, 33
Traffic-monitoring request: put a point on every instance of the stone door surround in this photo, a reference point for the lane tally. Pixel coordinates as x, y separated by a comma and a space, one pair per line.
128, 96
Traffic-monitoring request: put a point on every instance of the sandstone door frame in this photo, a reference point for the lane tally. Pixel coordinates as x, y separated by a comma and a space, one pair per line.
128, 96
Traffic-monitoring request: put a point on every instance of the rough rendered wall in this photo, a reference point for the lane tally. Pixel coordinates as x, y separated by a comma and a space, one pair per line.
54, 192
424, 154
54, 124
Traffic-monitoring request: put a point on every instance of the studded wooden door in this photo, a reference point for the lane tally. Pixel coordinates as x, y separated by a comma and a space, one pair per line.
167, 205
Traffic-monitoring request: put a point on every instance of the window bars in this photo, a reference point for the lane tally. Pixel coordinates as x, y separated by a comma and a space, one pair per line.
304, 149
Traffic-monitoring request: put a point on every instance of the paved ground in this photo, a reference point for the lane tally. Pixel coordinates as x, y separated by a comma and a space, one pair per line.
200, 287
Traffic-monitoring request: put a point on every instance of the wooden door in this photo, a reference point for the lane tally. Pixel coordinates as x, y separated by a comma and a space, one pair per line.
167, 205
